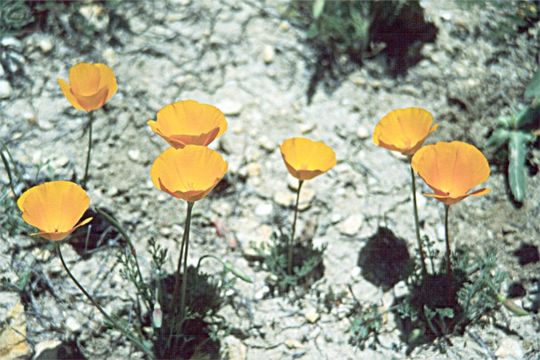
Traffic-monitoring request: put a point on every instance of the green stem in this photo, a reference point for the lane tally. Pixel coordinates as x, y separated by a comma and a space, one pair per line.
89, 151
182, 260
116, 224
135, 340
447, 238
417, 225
8, 170
228, 267
290, 245
184, 272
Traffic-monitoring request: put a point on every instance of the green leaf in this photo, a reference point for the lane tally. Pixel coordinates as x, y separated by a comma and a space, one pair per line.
506, 121
529, 115
318, 7
313, 31
238, 273
517, 150
498, 138
533, 89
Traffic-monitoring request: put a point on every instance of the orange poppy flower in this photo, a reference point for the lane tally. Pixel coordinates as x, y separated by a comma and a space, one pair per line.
306, 158
189, 173
189, 122
404, 130
452, 169
90, 86
54, 208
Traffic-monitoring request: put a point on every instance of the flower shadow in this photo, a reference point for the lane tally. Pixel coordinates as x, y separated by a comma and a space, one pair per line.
203, 300
385, 259
99, 234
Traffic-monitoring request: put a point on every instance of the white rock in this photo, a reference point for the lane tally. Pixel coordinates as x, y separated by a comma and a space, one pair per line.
110, 56
10, 41
264, 210
266, 144
351, 225
284, 198
509, 349
293, 344
61, 161
45, 45
269, 53
13, 343
307, 128
311, 315
134, 154
362, 132
235, 349
230, 107
355, 272
253, 169
400, 289
73, 325
47, 349
5, 89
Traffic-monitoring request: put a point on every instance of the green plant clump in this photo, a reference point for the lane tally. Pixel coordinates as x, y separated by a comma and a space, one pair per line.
516, 132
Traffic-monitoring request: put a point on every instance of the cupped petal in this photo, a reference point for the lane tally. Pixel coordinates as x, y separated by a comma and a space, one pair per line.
189, 122
93, 102
189, 173
404, 130
54, 207
58, 236
451, 167
107, 80
84, 79
306, 159
69, 95
202, 139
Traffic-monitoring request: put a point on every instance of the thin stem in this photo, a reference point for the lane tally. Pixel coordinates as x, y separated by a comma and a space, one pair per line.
184, 272
116, 224
447, 237
89, 151
417, 225
290, 245
136, 341
8, 171
181, 258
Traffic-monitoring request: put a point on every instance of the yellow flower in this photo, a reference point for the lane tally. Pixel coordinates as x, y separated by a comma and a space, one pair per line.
189, 122
90, 86
451, 169
189, 173
54, 208
404, 130
306, 158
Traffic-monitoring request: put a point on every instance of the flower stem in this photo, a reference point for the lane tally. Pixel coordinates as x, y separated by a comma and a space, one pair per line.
291, 240
134, 339
447, 238
184, 272
89, 150
417, 225
182, 260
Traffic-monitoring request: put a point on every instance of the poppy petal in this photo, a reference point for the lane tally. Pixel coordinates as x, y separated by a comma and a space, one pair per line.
306, 159
404, 130
107, 80
69, 95
84, 79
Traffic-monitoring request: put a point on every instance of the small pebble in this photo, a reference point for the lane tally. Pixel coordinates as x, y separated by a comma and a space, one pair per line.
5, 89
351, 225
269, 54
134, 154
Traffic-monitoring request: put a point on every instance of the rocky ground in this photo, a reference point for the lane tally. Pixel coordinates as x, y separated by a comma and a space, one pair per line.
247, 59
